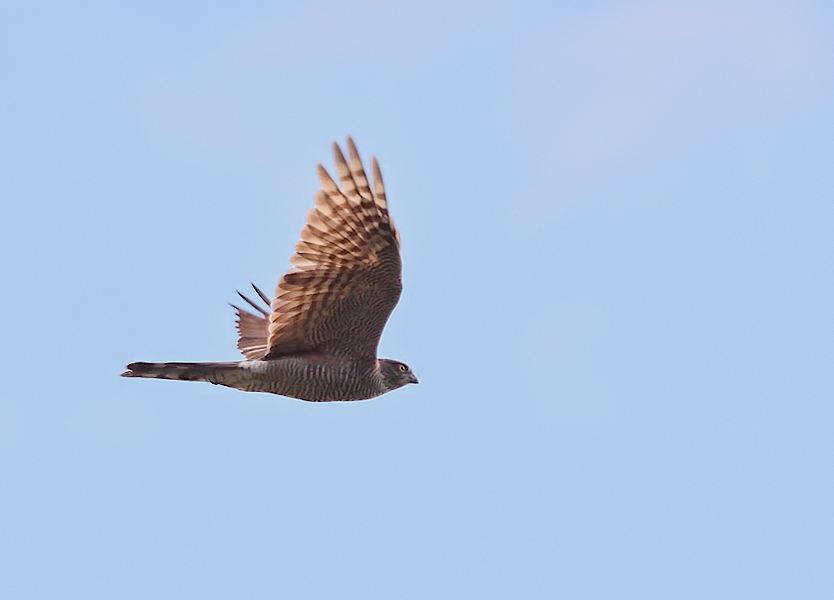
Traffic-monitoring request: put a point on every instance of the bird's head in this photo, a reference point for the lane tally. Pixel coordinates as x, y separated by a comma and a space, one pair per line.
395, 373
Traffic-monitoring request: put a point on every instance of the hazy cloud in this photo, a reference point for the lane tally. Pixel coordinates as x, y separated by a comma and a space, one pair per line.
622, 87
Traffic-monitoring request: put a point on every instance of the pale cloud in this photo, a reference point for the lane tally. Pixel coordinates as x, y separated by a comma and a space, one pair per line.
309, 67
351, 35
623, 87
613, 90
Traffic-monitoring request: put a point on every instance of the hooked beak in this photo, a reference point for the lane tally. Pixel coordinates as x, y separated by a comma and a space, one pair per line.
413, 379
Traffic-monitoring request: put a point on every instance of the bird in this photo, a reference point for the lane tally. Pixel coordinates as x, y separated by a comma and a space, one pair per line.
317, 340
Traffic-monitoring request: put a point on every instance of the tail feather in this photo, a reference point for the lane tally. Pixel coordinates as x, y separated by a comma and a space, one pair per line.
181, 371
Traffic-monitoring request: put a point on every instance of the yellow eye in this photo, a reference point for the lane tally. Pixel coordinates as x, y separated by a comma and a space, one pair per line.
403, 368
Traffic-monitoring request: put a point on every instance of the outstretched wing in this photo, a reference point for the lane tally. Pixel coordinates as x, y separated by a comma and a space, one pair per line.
345, 279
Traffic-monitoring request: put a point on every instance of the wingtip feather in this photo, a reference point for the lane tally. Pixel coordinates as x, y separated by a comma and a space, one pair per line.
326, 180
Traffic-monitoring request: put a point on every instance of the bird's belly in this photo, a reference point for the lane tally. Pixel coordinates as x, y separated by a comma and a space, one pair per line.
298, 377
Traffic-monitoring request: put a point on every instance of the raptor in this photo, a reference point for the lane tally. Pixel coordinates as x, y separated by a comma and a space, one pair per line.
318, 338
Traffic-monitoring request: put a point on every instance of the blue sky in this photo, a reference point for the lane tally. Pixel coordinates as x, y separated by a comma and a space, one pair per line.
616, 222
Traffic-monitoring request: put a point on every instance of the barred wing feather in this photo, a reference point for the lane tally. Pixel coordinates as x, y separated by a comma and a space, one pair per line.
345, 279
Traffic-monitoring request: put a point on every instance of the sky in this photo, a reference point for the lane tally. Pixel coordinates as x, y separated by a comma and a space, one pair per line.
616, 225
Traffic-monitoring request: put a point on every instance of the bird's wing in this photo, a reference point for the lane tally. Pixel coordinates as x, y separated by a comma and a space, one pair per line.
253, 330
345, 279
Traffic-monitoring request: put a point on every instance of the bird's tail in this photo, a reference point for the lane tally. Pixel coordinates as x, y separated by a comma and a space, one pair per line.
209, 371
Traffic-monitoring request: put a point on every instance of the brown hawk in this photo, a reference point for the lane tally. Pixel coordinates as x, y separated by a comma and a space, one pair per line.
319, 340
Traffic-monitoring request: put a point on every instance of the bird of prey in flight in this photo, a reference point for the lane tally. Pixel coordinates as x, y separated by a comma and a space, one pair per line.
318, 339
